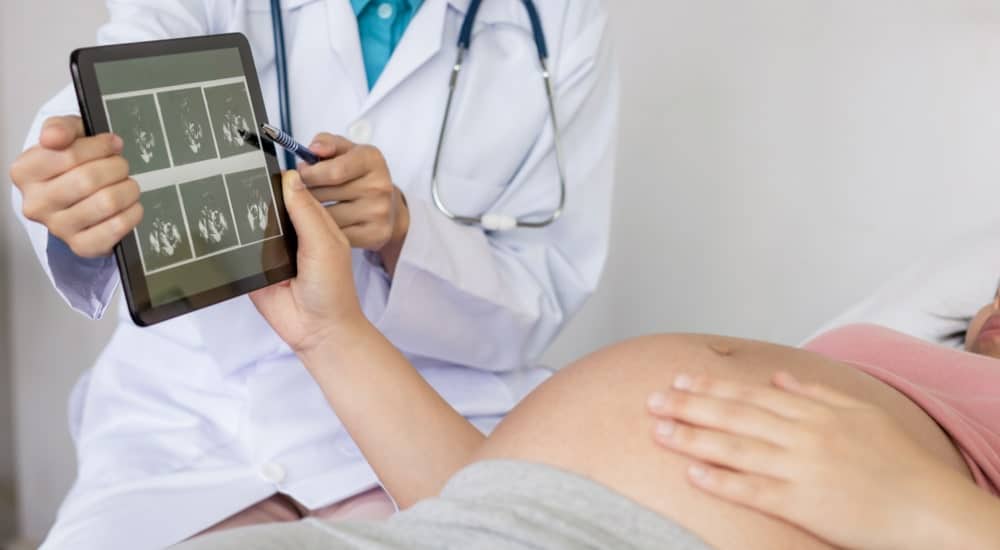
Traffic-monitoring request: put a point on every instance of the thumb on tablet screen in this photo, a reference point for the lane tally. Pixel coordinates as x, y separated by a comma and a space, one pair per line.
315, 228
322, 294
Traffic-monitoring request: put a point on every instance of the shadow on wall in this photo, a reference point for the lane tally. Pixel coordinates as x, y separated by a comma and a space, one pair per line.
8, 511
8, 504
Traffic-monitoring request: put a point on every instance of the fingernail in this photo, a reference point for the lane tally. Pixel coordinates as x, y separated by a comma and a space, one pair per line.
683, 382
295, 182
118, 143
697, 472
665, 428
315, 145
657, 402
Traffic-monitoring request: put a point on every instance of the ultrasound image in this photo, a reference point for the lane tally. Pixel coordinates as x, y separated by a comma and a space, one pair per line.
253, 204
162, 237
232, 118
187, 126
136, 120
212, 224
165, 237
207, 207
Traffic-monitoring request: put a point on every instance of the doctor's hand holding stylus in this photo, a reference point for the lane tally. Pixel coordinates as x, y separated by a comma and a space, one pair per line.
369, 208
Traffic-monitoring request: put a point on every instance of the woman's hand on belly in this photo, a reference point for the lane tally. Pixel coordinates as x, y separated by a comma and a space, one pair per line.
835, 466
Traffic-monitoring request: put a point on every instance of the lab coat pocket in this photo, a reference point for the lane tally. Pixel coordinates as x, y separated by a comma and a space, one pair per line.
468, 195
498, 118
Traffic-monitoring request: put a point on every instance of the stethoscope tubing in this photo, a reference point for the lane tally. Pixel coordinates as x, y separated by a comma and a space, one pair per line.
489, 221
281, 68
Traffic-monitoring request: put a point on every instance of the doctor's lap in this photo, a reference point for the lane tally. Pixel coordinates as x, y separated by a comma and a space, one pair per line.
183, 425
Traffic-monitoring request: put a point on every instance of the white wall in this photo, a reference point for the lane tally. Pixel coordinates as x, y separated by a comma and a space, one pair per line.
50, 345
7, 510
779, 158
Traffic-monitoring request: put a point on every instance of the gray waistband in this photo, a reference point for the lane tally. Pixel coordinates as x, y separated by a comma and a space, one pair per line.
541, 503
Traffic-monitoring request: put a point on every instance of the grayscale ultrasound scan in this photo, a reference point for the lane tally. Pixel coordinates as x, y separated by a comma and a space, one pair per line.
162, 236
185, 118
136, 120
208, 213
253, 204
232, 118
165, 237
257, 211
212, 224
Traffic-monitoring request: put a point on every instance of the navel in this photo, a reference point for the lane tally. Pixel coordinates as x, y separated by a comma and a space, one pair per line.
721, 349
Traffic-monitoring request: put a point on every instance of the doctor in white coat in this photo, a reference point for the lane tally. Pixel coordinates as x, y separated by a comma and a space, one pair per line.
185, 424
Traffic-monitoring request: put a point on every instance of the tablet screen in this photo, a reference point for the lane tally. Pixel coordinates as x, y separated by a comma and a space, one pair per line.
210, 209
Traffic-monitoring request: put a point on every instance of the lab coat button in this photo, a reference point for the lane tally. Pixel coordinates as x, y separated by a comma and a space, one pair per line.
385, 10
361, 132
273, 473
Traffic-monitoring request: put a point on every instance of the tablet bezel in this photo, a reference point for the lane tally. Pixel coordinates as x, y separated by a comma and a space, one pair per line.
82, 66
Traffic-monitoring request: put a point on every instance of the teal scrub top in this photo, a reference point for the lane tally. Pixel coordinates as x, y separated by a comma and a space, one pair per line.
381, 24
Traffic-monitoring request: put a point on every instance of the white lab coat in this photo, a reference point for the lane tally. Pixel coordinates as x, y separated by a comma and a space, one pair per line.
181, 425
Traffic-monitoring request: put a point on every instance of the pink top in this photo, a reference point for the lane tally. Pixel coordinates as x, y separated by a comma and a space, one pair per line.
960, 390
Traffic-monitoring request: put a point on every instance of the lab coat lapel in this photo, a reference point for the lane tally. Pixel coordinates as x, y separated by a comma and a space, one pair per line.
421, 41
346, 43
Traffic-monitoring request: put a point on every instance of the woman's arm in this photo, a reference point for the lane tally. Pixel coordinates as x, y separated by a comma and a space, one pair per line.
412, 438
837, 467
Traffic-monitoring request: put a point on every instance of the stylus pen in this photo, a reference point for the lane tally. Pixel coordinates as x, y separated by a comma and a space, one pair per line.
286, 141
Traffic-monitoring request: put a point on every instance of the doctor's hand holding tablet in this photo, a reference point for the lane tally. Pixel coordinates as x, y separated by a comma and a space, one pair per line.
466, 156
351, 181
78, 187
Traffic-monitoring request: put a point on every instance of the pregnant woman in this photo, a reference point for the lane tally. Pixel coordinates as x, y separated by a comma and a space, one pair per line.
574, 465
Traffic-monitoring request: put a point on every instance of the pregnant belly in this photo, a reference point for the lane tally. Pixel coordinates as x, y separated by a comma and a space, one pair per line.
590, 419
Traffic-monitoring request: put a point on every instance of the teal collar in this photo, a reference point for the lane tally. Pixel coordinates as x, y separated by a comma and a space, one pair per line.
359, 5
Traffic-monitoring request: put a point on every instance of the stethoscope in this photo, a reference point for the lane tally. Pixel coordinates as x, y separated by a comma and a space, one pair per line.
490, 221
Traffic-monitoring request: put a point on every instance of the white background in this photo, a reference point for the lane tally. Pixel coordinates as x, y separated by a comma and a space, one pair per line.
779, 158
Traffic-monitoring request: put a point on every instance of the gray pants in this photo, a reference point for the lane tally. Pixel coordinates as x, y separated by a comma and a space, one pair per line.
492, 505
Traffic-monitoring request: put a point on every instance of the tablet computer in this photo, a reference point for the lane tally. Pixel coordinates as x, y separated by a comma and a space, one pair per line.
214, 224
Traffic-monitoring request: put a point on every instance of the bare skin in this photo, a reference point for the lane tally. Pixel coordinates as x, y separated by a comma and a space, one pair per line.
780, 449
590, 418
840, 468
78, 187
